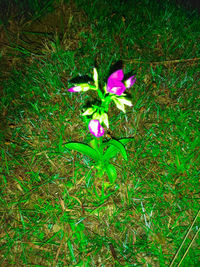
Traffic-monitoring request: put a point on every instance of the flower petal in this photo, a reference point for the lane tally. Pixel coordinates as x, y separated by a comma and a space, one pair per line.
115, 87
95, 128
117, 75
130, 81
125, 101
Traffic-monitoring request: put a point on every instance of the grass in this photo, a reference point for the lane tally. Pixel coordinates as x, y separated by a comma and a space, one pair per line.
54, 210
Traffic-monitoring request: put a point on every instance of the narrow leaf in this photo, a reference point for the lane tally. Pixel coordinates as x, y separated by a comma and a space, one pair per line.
71, 249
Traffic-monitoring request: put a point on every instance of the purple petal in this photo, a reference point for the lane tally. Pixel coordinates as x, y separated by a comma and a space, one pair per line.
75, 89
117, 75
115, 87
130, 81
95, 128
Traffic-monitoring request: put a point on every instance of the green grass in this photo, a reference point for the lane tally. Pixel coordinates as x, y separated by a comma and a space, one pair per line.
55, 211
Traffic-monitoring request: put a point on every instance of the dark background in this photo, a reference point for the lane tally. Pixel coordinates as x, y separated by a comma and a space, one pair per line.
188, 4
191, 3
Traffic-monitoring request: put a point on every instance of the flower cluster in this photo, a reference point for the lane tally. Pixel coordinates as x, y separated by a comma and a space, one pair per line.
114, 90
115, 84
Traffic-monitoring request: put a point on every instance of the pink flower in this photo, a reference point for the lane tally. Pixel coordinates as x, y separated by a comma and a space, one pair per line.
115, 84
80, 88
95, 128
130, 81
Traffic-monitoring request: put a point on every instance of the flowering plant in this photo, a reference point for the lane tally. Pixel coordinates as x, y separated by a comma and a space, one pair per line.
113, 91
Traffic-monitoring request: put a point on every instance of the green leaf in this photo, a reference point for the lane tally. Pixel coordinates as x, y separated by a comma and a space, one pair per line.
119, 146
95, 144
112, 151
111, 172
71, 249
104, 119
84, 149
105, 89
100, 94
